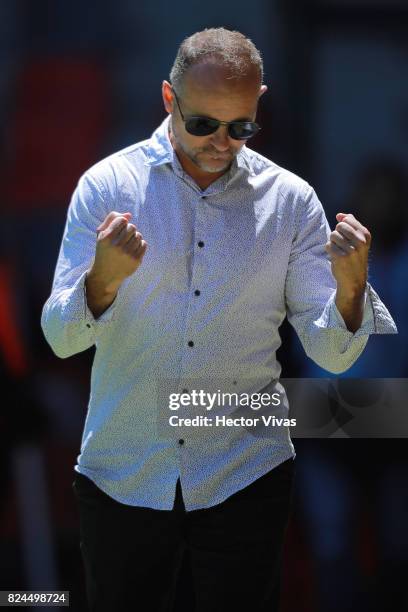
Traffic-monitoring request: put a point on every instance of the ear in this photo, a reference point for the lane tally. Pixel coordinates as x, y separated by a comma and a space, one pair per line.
167, 94
263, 89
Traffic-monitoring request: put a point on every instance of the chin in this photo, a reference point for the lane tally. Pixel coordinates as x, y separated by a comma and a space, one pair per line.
213, 169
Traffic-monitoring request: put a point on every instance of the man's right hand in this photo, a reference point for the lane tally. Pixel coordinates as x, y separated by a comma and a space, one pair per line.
119, 252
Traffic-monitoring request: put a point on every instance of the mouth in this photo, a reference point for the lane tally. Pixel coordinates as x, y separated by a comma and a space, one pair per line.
219, 157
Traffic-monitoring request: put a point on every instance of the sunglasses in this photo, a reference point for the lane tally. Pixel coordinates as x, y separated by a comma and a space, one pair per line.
204, 126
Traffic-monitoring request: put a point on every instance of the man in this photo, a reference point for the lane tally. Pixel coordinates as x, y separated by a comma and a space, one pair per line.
181, 257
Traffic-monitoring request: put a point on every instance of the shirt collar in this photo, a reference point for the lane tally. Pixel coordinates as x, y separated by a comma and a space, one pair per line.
160, 150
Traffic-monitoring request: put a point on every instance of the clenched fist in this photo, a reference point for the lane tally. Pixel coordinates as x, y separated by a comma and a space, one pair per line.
348, 249
119, 252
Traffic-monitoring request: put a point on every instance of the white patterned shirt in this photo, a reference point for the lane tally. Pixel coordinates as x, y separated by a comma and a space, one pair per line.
223, 268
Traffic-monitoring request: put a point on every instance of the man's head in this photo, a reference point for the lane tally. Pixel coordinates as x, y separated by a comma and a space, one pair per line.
217, 74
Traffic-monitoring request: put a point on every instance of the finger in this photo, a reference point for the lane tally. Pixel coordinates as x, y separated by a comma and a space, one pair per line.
131, 239
110, 217
112, 231
133, 243
334, 251
105, 223
341, 242
126, 234
351, 220
138, 249
362, 232
351, 234
142, 249
116, 228
133, 236
121, 237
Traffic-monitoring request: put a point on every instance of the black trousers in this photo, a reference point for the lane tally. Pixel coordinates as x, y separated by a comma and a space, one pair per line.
132, 555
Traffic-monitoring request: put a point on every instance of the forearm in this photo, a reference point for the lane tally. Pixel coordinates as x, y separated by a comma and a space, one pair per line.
99, 294
64, 322
351, 307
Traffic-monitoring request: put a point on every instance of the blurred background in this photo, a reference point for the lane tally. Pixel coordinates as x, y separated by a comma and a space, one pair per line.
80, 80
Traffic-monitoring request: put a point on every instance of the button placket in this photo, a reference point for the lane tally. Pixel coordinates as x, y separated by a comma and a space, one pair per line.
198, 271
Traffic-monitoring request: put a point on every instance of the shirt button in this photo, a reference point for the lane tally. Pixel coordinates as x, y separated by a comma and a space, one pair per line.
185, 391
201, 244
197, 292
190, 343
181, 441
88, 325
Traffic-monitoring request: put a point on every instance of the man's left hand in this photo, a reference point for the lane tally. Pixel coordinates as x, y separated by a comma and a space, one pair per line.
348, 248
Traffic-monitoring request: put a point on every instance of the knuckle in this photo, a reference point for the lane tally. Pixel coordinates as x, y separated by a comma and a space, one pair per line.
118, 222
111, 216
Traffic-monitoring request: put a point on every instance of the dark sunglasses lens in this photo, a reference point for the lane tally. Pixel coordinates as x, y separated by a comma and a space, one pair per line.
201, 126
241, 130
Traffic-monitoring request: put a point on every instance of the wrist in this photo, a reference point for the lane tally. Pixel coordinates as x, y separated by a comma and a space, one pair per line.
351, 307
99, 293
105, 287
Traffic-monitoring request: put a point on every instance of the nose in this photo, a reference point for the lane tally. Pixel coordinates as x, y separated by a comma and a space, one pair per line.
220, 139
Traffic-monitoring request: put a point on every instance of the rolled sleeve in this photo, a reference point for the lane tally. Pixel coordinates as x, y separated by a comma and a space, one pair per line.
310, 297
376, 317
67, 322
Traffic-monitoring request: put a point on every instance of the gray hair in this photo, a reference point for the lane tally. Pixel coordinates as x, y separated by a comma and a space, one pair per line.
228, 48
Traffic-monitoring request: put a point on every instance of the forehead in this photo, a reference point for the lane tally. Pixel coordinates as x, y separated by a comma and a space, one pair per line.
208, 84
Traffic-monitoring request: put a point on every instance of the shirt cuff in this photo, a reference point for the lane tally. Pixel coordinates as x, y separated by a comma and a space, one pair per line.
376, 317
107, 316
